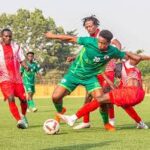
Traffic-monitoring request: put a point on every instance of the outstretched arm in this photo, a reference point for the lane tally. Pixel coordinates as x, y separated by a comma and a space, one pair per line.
116, 43
136, 58
67, 38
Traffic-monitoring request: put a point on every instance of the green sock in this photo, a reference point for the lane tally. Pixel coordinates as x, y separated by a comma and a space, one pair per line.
58, 106
104, 117
31, 104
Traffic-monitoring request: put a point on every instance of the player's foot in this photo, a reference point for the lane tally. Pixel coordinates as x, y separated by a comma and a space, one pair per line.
109, 127
82, 126
28, 110
67, 119
21, 124
34, 109
142, 125
57, 118
24, 119
112, 121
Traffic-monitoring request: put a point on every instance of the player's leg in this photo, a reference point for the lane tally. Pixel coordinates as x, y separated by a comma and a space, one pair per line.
65, 87
86, 118
111, 114
89, 107
7, 89
133, 114
30, 90
20, 93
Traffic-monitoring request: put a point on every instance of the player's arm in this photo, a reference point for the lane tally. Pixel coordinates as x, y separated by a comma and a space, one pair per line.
136, 58
23, 64
62, 37
116, 43
111, 84
71, 58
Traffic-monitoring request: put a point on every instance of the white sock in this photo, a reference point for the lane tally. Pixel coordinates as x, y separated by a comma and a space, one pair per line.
74, 117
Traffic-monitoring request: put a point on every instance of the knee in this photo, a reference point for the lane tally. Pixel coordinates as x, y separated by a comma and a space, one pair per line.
55, 97
11, 99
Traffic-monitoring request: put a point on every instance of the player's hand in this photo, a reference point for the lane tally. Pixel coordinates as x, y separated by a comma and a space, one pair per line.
70, 58
49, 34
27, 68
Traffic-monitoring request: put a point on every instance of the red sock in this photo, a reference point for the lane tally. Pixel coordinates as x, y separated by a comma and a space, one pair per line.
88, 108
133, 114
14, 110
111, 112
24, 106
86, 118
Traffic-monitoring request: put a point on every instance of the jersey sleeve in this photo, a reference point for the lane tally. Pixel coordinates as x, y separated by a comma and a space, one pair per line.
38, 68
21, 56
119, 54
86, 40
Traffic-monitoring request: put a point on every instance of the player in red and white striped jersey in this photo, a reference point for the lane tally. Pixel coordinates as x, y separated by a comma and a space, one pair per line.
10, 79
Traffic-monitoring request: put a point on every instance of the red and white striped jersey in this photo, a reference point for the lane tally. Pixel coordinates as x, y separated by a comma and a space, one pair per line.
10, 57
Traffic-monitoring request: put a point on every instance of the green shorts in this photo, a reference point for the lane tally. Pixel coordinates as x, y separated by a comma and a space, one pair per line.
70, 82
29, 88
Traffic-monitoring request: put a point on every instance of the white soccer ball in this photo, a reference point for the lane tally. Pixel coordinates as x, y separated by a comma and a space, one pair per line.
51, 126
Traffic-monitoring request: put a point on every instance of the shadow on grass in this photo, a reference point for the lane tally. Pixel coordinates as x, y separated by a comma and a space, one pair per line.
129, 126
81, 146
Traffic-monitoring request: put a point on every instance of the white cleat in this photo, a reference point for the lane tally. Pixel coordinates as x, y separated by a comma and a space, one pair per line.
21, 124
34, 109
112, 121
82, 126
142, 125
67, 119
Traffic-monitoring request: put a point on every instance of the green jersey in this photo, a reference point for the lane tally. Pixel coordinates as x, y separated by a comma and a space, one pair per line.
91, 60
29, 76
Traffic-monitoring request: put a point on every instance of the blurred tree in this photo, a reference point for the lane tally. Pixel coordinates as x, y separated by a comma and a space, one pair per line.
28, 30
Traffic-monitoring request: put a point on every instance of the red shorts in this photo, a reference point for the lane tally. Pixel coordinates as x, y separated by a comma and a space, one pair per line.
126, 96
12, 89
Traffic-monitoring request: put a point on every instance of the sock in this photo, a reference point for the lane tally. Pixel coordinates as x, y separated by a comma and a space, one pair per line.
104, 117
14, 110
111, 112
58, 106
133, 114
24, 107
86, 118
31, 104
87, 108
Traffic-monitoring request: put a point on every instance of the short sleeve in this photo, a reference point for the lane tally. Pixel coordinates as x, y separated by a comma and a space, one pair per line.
21, 56
86, 40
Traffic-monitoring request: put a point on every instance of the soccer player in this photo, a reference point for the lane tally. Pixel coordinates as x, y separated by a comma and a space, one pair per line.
91, 24
90, 62
10, 79
128, 94
29, 79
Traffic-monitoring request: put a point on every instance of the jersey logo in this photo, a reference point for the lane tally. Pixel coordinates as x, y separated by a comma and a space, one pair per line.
96, 59
106, 57
63, 80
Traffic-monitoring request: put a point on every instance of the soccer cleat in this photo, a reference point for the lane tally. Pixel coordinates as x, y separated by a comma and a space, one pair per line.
67, 119
57, 118
142, 125
34, 109
24, 119
21, 124
109, 127
28, 110
82, 126
112, 121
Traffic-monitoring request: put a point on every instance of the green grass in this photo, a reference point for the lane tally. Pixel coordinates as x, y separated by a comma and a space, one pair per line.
127, 137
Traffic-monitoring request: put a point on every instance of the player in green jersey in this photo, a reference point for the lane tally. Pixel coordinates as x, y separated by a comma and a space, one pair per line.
29, 80
90, 62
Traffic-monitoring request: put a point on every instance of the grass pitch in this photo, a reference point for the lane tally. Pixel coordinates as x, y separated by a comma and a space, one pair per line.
127, 137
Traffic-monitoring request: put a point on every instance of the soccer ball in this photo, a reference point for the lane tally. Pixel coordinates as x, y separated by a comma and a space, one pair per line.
51, 126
